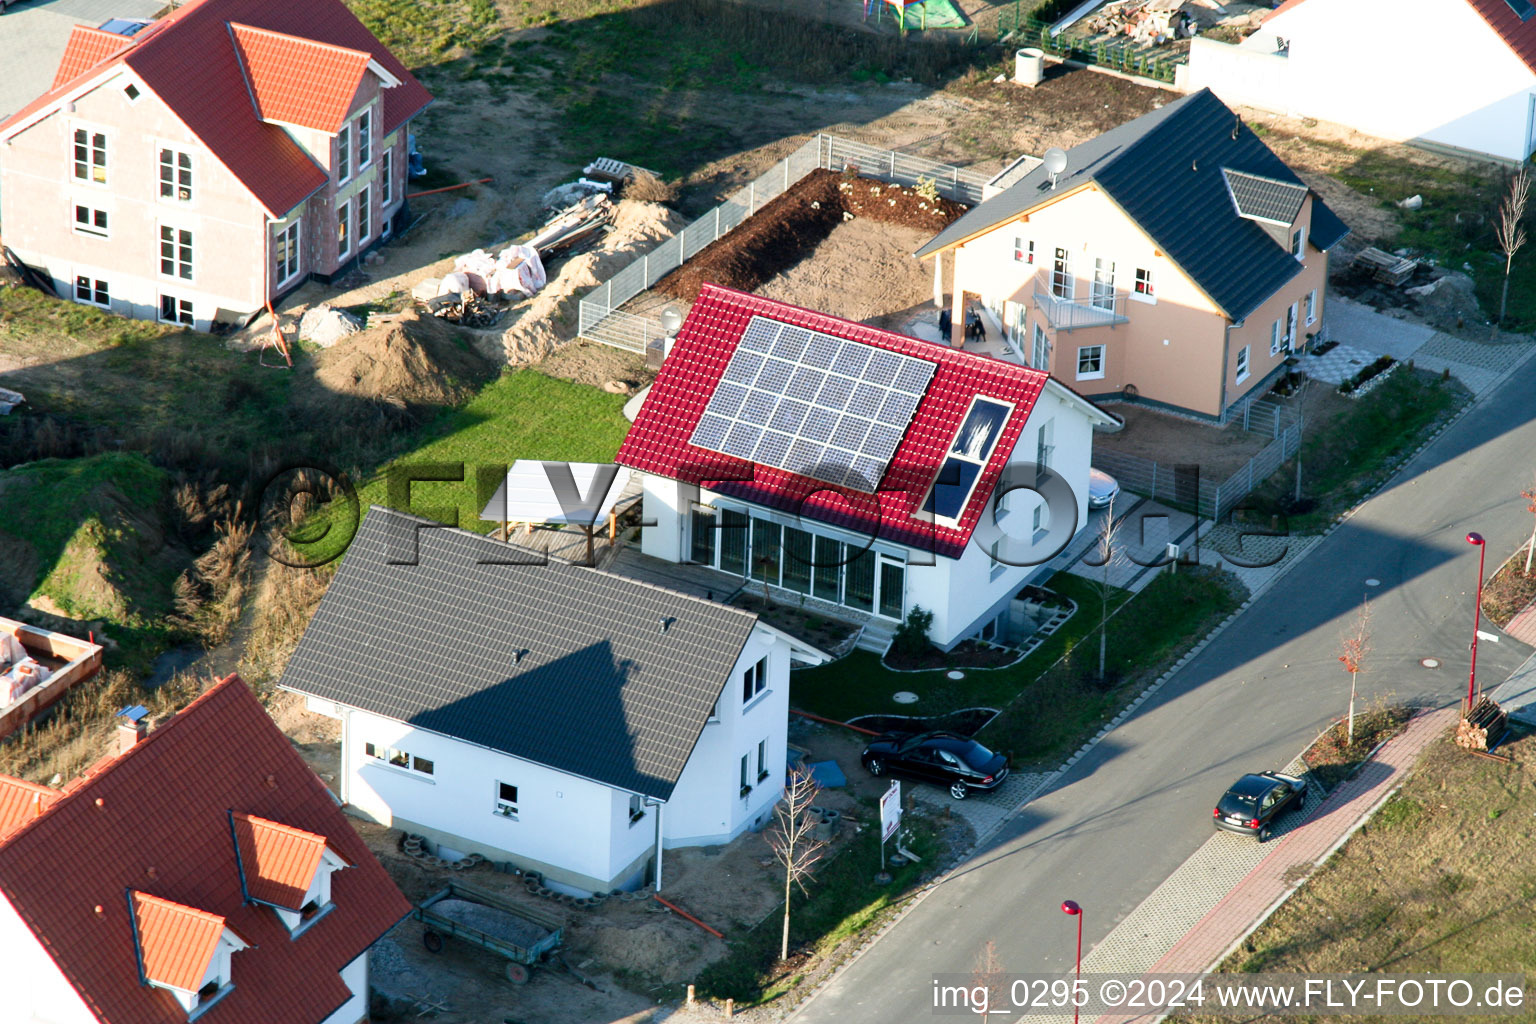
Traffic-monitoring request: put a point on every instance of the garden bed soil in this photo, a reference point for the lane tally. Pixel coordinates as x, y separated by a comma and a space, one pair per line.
817, 630
1331, 758
969, 654
788, 227
1510, 591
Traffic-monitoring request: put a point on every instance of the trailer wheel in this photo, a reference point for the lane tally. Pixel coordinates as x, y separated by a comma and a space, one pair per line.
517, 973
432, 940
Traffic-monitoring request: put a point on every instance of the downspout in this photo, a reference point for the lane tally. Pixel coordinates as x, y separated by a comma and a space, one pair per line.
344, 770
1226, 352
659, 807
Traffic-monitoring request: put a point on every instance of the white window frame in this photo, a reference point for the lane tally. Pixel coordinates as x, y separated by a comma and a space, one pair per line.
362, 131
386, 755
754, 681
1023, 250
1276, 333
177, 152
89, 178
1103, 287
1144, 286
1292, 322
94, 285
997, 567
294, 228
1062, 283
1103, 363
1040, 342
1311, 307
502, 807
176, 243
744, 777
1299, 243
386, 179
344, 154
362, 215
762, 760
180, 308
1243, 363
90, 227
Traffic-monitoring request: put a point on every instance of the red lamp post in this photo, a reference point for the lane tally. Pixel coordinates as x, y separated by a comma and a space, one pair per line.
1071, 907
1477, 615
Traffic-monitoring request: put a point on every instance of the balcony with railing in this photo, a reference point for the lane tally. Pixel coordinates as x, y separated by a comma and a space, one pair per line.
1084, 304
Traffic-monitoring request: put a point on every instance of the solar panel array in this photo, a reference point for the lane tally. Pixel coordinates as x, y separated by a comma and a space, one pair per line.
812, 404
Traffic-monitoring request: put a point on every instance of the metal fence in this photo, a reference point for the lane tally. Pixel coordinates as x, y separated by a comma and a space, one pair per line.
1185, 486
599, 317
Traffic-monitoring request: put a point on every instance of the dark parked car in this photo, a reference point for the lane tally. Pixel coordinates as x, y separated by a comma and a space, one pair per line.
947, 758
1255, 801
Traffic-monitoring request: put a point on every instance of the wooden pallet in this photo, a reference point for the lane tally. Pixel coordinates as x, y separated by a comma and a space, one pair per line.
1385, 267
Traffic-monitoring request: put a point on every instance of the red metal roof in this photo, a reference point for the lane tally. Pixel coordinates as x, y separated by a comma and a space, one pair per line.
299, 81
87, 47
190, 60
20, 802
157, 821
658, 441
279, 861
176, 943
1518, 35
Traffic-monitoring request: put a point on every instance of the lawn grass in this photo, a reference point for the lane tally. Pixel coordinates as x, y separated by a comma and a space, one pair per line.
1344, 460
1439, 882
521, 415
844, 903
1059, 710
861, 685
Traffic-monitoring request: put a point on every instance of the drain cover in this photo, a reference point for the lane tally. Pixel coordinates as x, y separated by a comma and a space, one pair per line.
1430, 662
904, 697
1373, 582
955, 674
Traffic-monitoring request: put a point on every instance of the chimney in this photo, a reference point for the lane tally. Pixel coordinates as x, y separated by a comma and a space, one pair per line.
131, 727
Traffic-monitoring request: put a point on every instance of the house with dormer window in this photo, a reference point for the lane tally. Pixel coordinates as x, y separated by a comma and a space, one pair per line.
566, 720
194, 168
1174, 261
866, 471
202, 873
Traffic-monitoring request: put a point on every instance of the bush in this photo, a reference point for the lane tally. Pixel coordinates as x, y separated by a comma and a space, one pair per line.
912, 635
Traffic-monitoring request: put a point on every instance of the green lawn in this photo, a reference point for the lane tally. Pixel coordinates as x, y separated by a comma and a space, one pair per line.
521, 415
861, 685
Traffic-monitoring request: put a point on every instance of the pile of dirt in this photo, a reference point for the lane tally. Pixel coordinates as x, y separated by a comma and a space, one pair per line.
409, 359
785, 229
550, 319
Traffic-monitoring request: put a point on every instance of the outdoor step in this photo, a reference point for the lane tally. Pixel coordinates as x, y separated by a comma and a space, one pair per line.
875, 638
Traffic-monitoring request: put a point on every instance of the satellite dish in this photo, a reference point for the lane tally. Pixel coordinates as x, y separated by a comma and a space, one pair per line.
1055, 160
671, 320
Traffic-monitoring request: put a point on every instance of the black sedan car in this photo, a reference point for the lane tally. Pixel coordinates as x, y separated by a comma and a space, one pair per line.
946, 758
1255, 801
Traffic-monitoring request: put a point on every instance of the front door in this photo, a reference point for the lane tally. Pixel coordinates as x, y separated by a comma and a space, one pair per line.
1040, 358
892, 580
1061, 274
1290, 327
1103, 284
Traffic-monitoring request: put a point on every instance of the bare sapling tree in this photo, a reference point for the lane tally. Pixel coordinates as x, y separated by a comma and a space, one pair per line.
1510, 230
793, 841
1108, 530
1354, 645
1529, 494
988, 989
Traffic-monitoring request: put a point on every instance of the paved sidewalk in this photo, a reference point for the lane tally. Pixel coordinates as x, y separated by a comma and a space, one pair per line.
1266, 886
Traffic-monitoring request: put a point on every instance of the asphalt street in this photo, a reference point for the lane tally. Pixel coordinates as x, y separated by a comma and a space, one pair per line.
1137, 805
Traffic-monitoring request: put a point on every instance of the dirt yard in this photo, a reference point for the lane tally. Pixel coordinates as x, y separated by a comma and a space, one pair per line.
1174, 440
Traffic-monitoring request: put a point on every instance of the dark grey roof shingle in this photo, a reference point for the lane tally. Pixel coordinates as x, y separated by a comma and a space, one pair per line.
1164, 169
601, 691
1264, 198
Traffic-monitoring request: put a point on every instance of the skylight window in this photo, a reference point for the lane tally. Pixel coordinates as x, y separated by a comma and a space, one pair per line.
1522, 8
968, 454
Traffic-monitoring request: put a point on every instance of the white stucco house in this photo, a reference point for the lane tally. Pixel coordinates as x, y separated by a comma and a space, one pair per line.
203, 872
1453, 74
559, 718
861, 468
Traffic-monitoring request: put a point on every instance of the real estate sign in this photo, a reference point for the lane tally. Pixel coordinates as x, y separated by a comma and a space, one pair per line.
890, 811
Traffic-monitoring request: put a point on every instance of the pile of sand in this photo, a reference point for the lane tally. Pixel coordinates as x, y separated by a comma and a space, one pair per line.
550, 320
410, 359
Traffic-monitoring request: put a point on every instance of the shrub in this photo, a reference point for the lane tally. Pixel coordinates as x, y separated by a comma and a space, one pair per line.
912, 635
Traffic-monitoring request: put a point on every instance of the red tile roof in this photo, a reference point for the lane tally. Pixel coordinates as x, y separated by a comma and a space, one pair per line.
299, 81
1518, 35
20, 802
190, 60
86, 48
279, 861
157, 821
176, 943
658, 441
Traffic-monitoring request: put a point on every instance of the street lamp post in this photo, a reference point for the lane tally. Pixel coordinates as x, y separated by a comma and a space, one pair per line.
1477, 615
1071, 907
